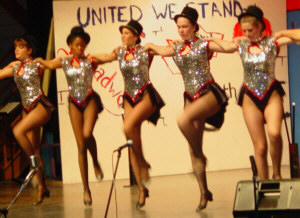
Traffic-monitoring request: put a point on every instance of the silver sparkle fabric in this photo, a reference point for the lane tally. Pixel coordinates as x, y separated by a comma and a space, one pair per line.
79, 79
135, 72
194, 66
259, 69
29, 83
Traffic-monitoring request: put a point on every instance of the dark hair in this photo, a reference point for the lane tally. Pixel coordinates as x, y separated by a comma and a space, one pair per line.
29, 41
78, 31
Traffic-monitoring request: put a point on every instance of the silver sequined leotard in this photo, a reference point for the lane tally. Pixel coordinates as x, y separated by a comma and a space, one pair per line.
259, 68
193, 66
29, 83
79, 79
135, 72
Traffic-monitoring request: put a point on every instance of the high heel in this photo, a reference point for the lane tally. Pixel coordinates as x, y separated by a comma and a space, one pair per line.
98, 172
202, 206
87, 202
44, 195
141, 204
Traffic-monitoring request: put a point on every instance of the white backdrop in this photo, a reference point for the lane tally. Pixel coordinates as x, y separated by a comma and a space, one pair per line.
164, 146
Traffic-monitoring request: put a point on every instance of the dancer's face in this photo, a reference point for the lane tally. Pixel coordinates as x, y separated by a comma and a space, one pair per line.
22, 52
78, 46
185, 28
128, 37
251, 31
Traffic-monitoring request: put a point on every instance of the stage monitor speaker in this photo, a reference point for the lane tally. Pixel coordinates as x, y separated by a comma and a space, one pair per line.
275, 199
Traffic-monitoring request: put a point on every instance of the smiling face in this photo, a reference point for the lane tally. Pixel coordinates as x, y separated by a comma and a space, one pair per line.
128, 37
78, 46
22, 51
185, 28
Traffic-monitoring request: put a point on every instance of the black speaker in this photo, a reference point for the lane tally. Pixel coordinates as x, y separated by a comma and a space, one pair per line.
275, 199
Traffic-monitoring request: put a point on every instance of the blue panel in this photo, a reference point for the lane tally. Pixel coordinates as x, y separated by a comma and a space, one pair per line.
293, 19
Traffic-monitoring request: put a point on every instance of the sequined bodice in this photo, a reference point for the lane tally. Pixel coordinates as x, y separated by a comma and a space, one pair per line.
136, 71
194, 66
259, 68
29, 83
79, 79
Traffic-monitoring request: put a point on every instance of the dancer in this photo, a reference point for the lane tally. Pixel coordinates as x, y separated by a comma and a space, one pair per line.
141, 100
205, 101
37, 108
84, 102
261, 94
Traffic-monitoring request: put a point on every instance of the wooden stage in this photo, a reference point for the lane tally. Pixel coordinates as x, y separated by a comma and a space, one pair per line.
170, 197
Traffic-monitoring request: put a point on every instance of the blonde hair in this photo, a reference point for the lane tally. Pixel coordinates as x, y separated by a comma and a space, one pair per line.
252, 20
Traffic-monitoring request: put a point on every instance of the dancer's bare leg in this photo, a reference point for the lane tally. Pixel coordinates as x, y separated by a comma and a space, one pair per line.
134, 116
254, 120
191, 123
90, 116
27, 133
77, 121
274, 114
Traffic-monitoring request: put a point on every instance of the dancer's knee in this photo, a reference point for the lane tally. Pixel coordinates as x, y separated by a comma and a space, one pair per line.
182, 123
261, 150
17, 132
129, 130
82, 148
275, 137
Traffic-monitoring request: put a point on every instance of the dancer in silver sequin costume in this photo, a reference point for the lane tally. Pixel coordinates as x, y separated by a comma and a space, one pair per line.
36, 106
84, 102
140, 100
261, 94
205, 101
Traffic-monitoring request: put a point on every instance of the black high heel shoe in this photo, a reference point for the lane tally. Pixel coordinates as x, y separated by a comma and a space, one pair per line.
141, 204
202, 206
44, 195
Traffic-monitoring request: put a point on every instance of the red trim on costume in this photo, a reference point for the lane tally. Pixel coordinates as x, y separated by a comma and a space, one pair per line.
40, 72
265, 93
198, 93
207, 51
94, 67
139, 92
187, 44
150, 60
277, 47
84, 100
62, 49
22, 66
130, 51
30, 107
253, 44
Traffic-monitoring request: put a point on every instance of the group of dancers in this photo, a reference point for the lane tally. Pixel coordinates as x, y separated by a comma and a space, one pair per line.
204, 101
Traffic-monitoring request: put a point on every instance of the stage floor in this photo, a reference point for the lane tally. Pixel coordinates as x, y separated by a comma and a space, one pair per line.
170, 196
